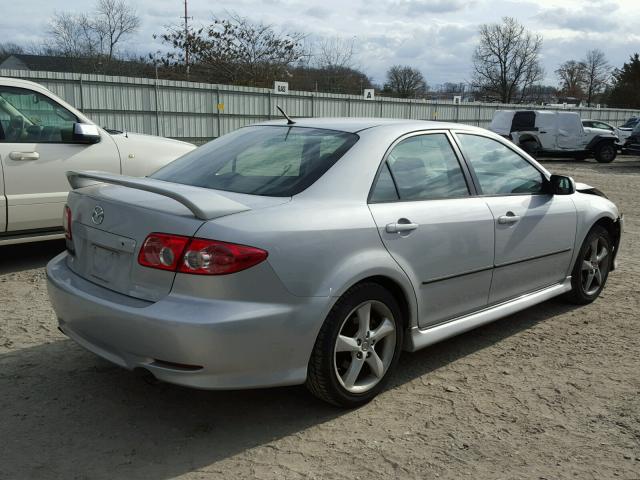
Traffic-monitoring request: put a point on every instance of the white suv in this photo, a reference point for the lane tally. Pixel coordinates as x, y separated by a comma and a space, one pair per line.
544, 132
41, 138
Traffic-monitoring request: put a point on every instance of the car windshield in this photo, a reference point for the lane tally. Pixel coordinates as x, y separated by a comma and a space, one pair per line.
631, 122
278, 161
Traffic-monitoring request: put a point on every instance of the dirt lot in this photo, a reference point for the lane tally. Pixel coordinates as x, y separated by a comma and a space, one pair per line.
552, 392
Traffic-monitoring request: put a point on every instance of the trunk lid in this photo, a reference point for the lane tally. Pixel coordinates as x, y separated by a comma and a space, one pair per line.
111, 222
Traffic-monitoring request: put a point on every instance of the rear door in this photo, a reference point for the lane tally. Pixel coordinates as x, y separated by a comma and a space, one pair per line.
534, 231
439, 234
571, 134
36, 149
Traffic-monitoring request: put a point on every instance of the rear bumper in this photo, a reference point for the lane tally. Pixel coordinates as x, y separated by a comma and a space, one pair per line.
196, 342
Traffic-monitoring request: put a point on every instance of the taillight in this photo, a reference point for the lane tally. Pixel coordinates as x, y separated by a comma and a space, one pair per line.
162, 251
211, 257
66, 222
197, 256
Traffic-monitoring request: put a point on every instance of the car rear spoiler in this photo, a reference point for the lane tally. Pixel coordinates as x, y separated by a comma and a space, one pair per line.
205, 204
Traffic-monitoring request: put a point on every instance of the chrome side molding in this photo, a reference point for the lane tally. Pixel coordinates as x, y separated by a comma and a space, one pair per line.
421, 338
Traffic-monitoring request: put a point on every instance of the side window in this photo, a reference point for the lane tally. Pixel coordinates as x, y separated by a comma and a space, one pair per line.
499, 169
425, 167
384, 189
30, 117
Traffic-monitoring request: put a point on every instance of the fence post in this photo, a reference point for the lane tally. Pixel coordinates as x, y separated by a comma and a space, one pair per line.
270, 105
313, 113
157, 109
81, 95
218, 112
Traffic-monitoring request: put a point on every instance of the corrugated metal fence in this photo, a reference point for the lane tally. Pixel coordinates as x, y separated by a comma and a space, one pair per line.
198, 112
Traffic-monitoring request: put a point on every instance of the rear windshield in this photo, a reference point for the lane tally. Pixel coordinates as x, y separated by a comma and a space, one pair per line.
275, 161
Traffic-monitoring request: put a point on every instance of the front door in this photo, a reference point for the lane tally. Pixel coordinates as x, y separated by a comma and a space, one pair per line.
36, 149
534, 231
439, 235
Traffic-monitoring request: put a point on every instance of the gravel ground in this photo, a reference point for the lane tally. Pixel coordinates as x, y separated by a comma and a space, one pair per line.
551, 392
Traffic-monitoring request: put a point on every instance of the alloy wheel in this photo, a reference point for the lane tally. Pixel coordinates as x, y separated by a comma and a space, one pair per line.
592, 270
365, 346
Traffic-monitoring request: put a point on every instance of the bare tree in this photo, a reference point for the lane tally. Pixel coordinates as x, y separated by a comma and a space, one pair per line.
405, 82
84, 35
334, 53
114, 20
73, 35
597, 73
506, 62
572, 78
10, 48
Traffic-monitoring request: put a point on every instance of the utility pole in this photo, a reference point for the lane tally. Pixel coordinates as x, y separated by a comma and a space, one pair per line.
186, 38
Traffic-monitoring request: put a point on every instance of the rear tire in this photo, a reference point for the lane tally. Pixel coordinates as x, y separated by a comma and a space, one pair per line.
357, 348
606, 153
531, 147
591, 270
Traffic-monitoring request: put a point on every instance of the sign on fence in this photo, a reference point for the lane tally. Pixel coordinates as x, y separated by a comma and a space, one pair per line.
281, 88
369, 94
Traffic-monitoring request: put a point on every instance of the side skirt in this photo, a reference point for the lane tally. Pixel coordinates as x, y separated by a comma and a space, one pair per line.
38, 236
421, 338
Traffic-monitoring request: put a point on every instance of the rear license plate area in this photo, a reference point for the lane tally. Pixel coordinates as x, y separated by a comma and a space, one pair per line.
104, 263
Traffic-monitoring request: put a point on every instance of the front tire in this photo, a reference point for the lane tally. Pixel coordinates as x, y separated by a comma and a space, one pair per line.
606, 153
357, 348
592, 266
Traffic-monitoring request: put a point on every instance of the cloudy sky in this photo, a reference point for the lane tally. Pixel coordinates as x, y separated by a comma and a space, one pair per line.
435, 36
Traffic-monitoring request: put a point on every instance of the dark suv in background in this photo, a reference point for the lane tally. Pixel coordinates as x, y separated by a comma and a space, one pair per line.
632, 145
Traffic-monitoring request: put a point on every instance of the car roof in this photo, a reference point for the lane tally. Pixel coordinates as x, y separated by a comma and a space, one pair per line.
355, 125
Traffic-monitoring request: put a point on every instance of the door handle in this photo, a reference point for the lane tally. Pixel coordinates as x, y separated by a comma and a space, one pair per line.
24, 156
403, 225
508, 219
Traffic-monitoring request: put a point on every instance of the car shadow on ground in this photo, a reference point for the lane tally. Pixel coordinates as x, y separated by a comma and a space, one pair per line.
67, 414
26, 256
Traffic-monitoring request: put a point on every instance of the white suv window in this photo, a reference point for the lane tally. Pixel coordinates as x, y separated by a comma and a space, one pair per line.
500, 170
30, 117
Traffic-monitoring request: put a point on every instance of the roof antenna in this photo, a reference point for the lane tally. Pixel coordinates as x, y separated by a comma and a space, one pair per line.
289, 121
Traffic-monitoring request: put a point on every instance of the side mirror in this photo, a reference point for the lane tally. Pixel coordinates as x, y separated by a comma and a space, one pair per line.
561, 185
85, 133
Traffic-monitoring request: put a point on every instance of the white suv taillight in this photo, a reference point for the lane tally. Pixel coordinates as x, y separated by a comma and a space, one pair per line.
66, 222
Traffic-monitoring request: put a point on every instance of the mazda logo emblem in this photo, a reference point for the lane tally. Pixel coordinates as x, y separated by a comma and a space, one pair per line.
97, 216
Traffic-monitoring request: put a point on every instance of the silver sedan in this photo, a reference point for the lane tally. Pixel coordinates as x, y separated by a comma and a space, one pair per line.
316, 251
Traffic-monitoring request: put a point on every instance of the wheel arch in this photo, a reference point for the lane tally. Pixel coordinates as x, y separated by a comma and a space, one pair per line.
615, 230
600, 140
402, 292
529, 137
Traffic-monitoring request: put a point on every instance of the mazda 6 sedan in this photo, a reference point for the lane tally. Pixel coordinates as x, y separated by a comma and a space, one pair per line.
313, 252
